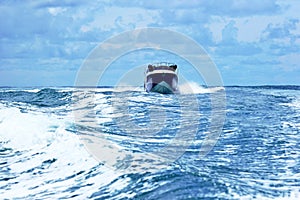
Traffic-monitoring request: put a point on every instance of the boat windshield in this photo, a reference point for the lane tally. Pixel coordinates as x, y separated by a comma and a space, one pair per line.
162, 65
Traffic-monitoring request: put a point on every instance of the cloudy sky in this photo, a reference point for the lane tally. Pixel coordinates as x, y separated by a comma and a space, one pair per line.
44, 43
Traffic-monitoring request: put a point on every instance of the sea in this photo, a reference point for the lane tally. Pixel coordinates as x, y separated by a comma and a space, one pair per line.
235, 142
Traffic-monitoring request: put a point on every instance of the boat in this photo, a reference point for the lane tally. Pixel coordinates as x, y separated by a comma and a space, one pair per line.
162, 78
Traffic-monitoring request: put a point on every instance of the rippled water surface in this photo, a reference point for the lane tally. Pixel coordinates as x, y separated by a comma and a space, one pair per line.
43, 154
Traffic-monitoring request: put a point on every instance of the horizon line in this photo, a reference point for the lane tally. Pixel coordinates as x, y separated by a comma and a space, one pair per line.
111, 86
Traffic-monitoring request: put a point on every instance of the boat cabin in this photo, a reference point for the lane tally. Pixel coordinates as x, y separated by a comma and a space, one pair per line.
162, 66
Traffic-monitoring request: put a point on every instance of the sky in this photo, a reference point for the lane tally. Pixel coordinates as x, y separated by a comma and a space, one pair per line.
45, 43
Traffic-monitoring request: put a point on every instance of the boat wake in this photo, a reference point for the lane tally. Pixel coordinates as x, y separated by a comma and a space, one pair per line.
195, 88
43, 157
186, 88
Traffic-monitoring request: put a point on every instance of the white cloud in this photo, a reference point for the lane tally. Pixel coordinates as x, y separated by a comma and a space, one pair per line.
118, 17
282, 30
229, 33
56, 10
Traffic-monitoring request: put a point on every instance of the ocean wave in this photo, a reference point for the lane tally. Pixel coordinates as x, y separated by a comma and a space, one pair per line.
43, 155
46, 97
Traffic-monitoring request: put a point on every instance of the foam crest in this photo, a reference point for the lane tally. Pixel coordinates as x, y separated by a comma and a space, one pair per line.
23, 131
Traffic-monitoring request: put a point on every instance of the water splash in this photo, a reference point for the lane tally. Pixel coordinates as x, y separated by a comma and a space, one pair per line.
195, 88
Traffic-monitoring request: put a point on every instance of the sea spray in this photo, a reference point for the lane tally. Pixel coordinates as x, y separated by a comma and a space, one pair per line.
195, 88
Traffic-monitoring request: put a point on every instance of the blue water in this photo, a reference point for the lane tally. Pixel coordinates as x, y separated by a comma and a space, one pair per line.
43, 155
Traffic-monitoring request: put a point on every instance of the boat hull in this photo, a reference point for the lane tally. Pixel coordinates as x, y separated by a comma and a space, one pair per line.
163, 88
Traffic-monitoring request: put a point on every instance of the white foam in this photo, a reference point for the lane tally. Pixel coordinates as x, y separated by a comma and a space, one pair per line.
195, 88
33, 90
128, 89
24, 130
295, 104
290, 124
41, 137
20, 89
